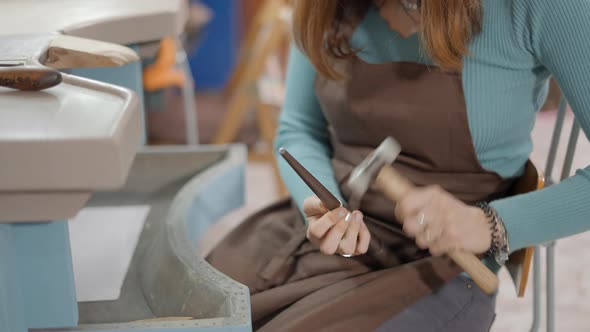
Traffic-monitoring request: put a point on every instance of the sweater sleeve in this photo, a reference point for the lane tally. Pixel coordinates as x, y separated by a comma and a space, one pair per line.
557, 35
303, 130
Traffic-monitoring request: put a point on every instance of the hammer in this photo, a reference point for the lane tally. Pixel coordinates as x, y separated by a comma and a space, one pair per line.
377, 168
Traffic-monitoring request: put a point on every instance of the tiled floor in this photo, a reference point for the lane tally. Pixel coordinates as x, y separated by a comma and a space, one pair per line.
573, 254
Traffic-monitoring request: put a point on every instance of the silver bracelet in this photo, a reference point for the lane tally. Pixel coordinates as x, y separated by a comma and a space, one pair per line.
499, 248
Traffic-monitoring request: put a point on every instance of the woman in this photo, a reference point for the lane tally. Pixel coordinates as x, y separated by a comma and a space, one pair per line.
457, 83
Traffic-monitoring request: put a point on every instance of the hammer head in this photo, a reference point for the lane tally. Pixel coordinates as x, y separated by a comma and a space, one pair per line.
365, 173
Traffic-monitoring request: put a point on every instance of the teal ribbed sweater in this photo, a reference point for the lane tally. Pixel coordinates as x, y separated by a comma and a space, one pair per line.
505, 79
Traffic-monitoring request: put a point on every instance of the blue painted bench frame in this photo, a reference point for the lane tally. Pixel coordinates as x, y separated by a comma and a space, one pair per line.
36, 277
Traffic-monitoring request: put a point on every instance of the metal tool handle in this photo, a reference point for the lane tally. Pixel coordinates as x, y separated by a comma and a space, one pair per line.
330, 201
29, 77
395, 187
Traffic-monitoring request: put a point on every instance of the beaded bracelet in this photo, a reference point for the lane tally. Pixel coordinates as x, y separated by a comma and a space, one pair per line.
499, 248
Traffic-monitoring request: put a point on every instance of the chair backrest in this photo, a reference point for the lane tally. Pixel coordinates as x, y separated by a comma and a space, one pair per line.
519, 264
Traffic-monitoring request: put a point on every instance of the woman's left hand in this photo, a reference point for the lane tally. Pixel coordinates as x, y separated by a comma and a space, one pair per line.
441, 223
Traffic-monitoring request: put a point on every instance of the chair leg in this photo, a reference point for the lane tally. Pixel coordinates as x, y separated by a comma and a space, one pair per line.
267, 125
551, 287
270, 38
266, 12
555, 141
550, 259
238, 106
266, 122
536, 290
571, 151
282, 190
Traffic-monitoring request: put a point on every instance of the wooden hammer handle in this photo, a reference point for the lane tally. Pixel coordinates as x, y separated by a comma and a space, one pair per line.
392, 184
395, 187
485, 279
29, 77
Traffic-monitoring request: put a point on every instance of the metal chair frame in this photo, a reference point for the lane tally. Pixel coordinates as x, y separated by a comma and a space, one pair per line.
550, 247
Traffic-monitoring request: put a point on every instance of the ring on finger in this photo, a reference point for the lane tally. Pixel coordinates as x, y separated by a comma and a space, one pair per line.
425, 229
424, 226
422, 221
346, 255
432, 236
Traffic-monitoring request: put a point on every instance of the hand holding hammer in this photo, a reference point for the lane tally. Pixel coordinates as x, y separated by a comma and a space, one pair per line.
377, 168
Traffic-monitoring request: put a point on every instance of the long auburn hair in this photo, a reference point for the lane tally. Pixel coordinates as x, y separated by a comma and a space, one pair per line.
446, 29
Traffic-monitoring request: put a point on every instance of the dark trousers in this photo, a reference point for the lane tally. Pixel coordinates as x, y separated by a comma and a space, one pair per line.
459, 306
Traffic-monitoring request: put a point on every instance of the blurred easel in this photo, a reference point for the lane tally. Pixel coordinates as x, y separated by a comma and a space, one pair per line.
256, 84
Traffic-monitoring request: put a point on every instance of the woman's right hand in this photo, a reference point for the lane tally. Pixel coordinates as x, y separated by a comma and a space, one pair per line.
337, 231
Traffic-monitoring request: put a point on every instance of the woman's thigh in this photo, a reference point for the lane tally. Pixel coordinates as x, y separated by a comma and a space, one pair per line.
458, 306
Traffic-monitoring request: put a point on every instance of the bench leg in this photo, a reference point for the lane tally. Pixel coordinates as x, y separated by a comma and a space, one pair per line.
37, 288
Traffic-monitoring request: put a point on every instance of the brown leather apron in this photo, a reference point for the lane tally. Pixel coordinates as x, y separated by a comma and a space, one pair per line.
296, 288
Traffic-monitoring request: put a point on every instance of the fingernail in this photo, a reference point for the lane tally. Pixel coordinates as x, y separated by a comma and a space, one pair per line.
348, 217
342, 213
358, 217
